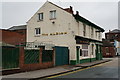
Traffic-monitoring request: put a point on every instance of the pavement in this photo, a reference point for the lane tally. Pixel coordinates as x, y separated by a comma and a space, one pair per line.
39, 74
93, 63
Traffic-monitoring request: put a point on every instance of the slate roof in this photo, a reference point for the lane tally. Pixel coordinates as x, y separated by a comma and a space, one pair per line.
115, 31
82, 19
20, 27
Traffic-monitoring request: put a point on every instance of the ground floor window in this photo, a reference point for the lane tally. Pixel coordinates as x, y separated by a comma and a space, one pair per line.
84, 50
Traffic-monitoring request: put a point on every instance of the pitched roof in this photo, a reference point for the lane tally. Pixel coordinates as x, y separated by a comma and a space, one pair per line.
80, 18
115, 31
66, 9
20, 27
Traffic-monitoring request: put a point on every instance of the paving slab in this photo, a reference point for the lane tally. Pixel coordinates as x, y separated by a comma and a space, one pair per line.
92, 63
42, 72
53, 71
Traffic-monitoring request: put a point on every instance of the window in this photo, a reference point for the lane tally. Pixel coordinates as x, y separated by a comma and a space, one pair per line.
99, 35
92, 49
107, 50
40, 16
84, 50
96, 33
92, 32
37, 31
53, 14
84, 30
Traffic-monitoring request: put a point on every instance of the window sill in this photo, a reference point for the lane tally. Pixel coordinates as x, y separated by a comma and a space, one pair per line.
39, 20
52, 18
37, 35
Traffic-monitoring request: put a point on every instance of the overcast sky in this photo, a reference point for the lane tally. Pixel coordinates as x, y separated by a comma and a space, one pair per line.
102, 13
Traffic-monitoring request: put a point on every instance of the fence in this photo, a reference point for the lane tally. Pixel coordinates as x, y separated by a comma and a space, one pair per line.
31, 56
10, 57
26, 59
47, 55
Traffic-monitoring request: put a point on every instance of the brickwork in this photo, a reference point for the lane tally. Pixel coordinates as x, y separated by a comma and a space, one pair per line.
12, 37
108, 51
35, 66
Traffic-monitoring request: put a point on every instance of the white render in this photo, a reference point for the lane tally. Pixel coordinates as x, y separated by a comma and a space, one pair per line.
64, 22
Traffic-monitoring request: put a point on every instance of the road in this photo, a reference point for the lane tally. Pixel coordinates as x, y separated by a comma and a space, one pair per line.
104, 71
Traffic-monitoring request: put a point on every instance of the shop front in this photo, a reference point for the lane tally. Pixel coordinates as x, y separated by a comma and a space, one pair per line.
87, 50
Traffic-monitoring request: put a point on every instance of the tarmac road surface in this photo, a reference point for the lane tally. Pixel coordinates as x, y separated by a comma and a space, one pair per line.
106, 70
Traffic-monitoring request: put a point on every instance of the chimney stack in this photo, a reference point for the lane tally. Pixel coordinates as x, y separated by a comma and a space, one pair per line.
71, 8
77, 13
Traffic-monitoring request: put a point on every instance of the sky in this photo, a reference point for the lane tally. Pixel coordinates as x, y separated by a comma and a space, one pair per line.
103, 13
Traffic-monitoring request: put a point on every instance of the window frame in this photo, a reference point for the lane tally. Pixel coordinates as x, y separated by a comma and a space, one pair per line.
85, 49
92, 29
99, 36
39, 31
84, 29
40, 16
52, 14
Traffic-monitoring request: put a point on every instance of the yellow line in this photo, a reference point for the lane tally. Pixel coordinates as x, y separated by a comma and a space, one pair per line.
77, 70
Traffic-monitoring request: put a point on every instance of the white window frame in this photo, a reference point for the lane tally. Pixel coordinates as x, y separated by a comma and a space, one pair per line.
85, 50
53, 14
40, 16
37, 31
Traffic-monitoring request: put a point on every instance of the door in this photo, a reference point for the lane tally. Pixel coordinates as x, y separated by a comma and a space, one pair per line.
77, 49
61, 56
98, 52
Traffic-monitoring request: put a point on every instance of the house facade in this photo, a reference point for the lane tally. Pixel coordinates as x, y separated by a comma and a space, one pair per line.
114, 38
54, 25
108, 49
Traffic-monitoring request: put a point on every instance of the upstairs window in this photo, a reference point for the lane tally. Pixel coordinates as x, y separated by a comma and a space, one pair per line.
99, 35
53, 14
40, 16
91, 32
84, 30
37, 31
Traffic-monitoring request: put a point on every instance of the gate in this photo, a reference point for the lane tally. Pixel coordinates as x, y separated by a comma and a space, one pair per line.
61, 56
10, 57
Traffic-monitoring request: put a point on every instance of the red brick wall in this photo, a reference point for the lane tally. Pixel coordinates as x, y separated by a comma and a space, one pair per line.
29, 67
110, 53
112, 36
11, 37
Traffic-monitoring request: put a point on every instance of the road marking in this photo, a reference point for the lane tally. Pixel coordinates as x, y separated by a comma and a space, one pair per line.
78, 70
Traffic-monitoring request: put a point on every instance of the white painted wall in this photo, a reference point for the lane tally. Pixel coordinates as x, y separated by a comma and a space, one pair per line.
64, 22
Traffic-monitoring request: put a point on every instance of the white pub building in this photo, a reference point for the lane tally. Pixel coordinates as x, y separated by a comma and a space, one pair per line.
64, 29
